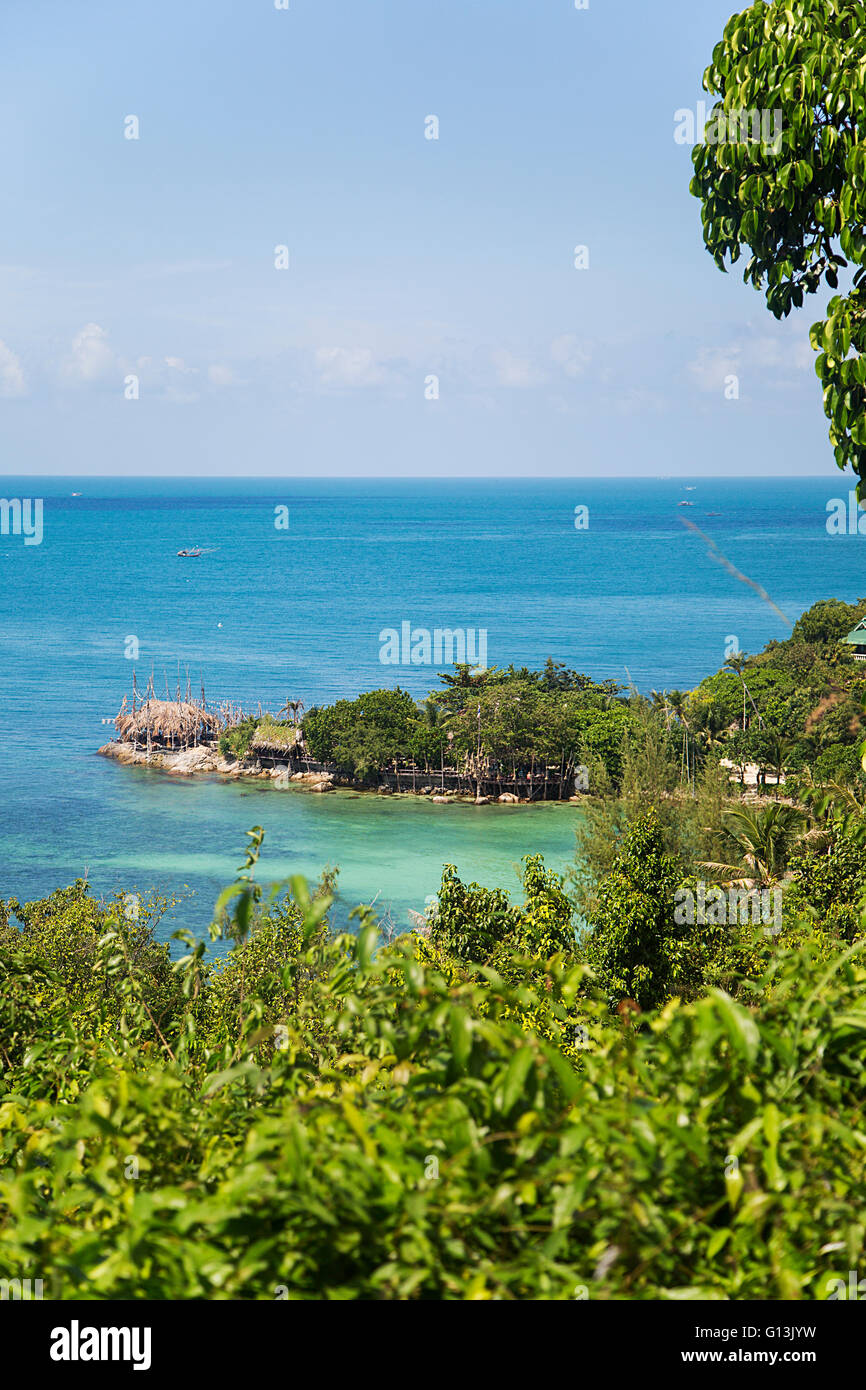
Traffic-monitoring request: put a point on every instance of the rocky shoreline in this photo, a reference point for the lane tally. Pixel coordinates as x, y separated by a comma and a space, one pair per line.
207, 760
192, 762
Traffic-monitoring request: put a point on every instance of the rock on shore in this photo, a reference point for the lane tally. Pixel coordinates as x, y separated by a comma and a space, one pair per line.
185, 763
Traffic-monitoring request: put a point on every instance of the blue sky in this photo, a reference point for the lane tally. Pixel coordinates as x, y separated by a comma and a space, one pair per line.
409, 258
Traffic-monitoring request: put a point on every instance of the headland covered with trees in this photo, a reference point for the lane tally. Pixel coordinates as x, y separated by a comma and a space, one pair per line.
553, 734
791, 710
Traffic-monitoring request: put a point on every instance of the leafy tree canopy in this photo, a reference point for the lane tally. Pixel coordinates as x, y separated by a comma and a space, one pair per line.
791, 192
828, 621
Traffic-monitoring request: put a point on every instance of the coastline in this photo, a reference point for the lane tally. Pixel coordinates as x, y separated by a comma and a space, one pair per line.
206, 760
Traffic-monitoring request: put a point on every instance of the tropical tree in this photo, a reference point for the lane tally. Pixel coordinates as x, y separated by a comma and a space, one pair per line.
759, 844
678, 702
291, 709
792, 192
708, 719
828, 621
736, 664
777, 750
434, 730
662, 705
635, 945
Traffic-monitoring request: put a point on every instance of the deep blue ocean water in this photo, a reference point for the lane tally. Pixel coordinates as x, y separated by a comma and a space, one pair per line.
274, 613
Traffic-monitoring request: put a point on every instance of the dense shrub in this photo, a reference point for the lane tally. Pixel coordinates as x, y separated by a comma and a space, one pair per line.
333, 1119
74, 957
635, 945
235, 742
831, 881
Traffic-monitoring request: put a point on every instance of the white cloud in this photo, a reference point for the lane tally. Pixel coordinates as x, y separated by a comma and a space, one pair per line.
219, 375
175, 386
570, 354
11, 375
781, 358
712, 365
349, 367
514, 371
168, 378
91, 358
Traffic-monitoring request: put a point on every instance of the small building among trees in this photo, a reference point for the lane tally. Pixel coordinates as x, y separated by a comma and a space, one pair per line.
857, 639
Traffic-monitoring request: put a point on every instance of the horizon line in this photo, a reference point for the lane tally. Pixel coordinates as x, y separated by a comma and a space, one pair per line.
437, 477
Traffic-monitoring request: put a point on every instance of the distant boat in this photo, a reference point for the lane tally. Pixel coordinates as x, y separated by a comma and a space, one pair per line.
192, 554
685, 504
713, 513
690, 489
76, 494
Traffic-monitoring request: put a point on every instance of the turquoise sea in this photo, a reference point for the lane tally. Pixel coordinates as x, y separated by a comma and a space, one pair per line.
276, 613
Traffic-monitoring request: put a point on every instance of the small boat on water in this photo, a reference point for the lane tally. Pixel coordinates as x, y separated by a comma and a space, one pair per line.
191, 554
685, 504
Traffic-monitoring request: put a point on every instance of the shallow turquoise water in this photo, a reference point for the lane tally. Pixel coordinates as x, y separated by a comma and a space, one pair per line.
390, 850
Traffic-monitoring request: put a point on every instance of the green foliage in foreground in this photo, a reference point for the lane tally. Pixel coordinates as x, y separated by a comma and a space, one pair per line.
480, 924
635, 945
319, 1118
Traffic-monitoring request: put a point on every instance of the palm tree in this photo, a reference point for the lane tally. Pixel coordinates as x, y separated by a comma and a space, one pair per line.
736, 664
762, 841
663, 704
839, 809
677, 701
709, 721
779, 748
291, 709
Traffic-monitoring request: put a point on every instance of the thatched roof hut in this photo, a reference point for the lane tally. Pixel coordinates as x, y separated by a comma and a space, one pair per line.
170, 723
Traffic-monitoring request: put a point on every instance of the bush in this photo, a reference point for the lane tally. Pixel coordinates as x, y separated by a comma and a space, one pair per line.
831, 881
412, 1136
235, 742
635, 945
76, 959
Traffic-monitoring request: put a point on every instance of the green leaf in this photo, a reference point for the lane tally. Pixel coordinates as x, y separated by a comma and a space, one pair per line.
514, 1080
739, 1025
